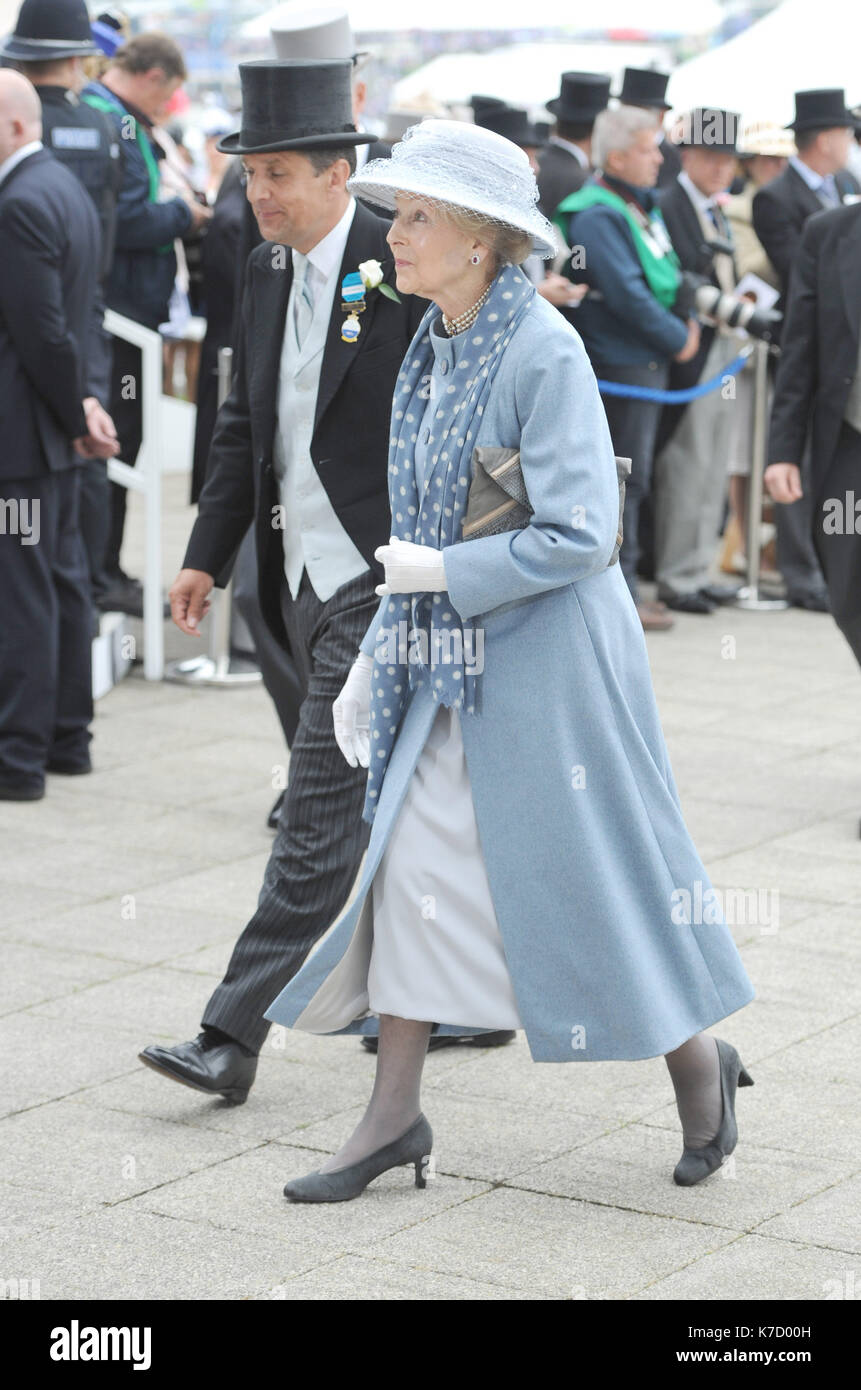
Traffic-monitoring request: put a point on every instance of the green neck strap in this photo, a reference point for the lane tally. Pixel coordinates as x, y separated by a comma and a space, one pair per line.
662, 270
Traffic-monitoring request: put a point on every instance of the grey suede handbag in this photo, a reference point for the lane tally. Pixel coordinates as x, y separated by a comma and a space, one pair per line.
498, 501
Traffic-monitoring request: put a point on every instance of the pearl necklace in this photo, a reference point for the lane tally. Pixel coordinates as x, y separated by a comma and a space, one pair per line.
466, 319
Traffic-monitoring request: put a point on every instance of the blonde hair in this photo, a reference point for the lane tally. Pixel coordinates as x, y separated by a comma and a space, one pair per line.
509, 245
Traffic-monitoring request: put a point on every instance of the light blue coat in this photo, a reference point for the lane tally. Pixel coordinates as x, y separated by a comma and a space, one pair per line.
587, 853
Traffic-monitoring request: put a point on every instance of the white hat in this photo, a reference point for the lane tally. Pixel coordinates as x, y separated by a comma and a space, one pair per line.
466, 167
318, 33
764, 137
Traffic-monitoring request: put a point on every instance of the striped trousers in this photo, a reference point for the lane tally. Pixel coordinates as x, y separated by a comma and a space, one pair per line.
321, 836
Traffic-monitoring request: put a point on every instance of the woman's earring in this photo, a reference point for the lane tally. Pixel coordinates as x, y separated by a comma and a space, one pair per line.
475, 258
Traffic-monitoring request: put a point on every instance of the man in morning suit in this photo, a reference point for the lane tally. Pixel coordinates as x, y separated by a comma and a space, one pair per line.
565, 162
691, 481
818, 390
50, 314
814, 178
301, 449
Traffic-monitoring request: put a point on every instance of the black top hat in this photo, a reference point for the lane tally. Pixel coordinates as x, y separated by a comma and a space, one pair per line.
50, 29
821, 109
478, 102
299, 105
582, 95
709, 128
511, 122
645, 87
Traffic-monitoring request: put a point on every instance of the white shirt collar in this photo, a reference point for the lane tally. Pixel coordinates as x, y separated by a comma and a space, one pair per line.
14, 159
810, 176
578, 154
701, 201
328, 254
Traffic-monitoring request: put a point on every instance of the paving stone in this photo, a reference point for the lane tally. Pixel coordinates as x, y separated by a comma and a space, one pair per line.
756, 1269
552, 1246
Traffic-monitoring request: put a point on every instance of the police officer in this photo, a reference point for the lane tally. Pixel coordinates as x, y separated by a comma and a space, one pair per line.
51, 40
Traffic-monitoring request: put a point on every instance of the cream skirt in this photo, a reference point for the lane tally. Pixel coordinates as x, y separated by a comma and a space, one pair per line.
437, 953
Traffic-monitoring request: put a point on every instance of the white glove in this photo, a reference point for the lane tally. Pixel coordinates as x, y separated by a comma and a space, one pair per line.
410, 568
352, 713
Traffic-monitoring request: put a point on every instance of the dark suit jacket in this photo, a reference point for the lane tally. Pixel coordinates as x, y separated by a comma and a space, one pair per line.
559, 173
691, 247
350, 443
671, 167
50, 313
780, 210
820, 342
222, 279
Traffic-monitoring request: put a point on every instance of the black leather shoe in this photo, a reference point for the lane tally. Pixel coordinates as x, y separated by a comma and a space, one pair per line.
21, 791
275, 814
690, 603
720, 593
68, 769
810, 599
219, 1068
445, 1040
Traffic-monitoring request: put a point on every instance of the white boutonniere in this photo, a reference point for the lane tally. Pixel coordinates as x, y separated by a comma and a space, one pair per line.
372, 278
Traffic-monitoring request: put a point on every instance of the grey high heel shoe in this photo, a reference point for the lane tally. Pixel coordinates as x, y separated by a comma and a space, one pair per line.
342, 1184
696, 1164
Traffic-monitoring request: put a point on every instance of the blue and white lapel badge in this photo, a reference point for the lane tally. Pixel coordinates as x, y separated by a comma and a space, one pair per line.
353, 304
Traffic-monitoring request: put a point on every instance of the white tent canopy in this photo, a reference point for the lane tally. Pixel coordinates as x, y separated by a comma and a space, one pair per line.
793, 48
395, 17
524, 74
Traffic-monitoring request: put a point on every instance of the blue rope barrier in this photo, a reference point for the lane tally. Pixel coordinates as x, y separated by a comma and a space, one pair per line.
691, 393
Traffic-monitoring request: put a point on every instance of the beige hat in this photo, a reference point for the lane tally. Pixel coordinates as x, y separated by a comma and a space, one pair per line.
764, 137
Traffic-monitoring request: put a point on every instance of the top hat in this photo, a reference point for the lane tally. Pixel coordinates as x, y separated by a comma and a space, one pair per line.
512, 122
708, 128
582, 95
295, 106
644, 87
48, 30
316, 34
479, 103
821, 109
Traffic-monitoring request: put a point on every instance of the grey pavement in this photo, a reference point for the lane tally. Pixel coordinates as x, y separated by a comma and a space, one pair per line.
123, 892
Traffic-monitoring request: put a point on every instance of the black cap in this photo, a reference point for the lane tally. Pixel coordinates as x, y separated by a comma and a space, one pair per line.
511, 122
824, 108
298, 105
582, 96
645, 87
48, 30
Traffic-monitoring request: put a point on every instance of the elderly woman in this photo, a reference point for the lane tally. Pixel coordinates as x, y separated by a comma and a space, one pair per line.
528, 865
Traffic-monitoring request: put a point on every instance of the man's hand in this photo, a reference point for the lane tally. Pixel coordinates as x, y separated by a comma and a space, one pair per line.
200, 213
560, 291
188, 600
691, 346
783, 482
100, 441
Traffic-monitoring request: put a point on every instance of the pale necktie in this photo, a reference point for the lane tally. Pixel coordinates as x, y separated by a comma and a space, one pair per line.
303, 301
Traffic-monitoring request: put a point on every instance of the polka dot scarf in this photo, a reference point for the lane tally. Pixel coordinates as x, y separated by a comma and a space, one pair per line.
421, 637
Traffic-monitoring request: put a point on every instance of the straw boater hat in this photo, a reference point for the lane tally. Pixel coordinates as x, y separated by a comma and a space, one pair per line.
764, 137
462, 166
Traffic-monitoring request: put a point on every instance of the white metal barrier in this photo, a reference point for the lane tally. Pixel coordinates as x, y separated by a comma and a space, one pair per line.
145, 477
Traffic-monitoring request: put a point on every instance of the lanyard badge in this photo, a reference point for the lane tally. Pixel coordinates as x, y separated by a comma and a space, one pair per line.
352, 304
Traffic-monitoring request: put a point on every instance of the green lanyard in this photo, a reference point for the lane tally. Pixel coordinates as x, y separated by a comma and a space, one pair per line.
143, 144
